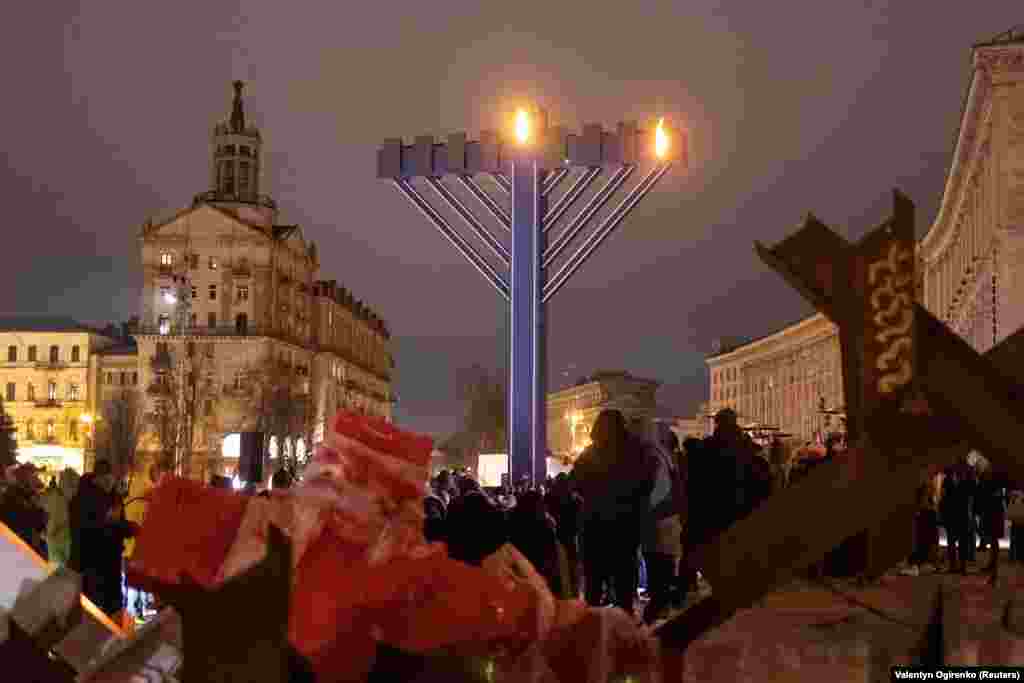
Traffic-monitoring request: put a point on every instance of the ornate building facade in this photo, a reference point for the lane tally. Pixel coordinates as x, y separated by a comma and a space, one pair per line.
970, 264
232, 296
972, 259
572, 411
52, 377
786, 380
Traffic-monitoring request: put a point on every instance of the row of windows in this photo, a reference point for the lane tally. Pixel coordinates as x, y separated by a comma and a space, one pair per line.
241, 293
243, 150
12, 354
50, 429
241, 322
112, 377
73, 392
213, 262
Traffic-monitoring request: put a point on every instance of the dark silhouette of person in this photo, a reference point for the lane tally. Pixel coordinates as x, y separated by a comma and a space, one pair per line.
532, 531
474, 528
615, 476
566, 506
98, 533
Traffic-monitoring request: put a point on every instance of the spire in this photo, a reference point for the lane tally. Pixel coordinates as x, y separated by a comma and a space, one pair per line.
237, 112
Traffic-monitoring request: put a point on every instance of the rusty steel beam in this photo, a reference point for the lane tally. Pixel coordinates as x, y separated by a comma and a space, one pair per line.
944, 397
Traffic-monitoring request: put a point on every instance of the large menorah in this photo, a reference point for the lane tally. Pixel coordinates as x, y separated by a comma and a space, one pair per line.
524, 173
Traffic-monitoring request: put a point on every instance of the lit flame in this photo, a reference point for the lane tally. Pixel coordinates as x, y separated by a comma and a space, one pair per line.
660, 140
522, 126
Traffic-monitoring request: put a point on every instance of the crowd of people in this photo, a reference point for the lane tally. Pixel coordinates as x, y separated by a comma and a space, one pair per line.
74, 522
636, 503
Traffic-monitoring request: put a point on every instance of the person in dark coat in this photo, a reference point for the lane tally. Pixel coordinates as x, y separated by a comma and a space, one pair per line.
990, 505
726, 482
21, 508
566, 506
615, 477
434, 511
532, 531
474, 528
98, 533
955, 511
694, 468
661, 545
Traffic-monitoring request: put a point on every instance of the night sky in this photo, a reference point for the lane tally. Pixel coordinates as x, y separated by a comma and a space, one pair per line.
793, 107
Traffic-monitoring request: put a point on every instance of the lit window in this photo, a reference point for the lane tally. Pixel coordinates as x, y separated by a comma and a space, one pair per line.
166, 259
164, 324
51, 391
214, 263
243, 292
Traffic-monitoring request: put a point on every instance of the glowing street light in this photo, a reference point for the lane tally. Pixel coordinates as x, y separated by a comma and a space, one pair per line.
170, 298
527, 168
86, 418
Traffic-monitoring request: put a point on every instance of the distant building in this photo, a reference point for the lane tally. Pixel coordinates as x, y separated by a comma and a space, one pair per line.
970, 265
231, 294
50, 378
572, 411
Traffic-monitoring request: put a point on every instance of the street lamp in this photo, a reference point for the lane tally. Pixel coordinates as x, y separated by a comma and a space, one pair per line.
527, 170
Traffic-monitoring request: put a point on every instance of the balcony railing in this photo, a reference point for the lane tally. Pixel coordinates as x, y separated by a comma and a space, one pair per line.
225, 331
49, 403
260, 200
51, 365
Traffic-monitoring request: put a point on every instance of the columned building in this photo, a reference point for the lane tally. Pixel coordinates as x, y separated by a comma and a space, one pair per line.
790, 380
234, 308
972, 259
572, 411
970, 265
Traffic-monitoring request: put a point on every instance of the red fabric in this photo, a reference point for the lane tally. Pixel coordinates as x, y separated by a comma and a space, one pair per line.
325, 624
382, 436
189, 530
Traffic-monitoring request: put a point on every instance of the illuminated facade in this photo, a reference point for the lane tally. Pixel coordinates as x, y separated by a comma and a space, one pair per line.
972, 259
783, 380
572, 411
970, 264
51, 378
228, 289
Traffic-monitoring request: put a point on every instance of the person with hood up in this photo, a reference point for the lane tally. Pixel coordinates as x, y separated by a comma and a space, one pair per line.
662, 545
615, 476
57, 501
